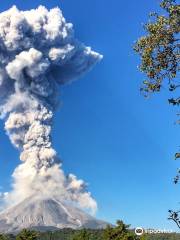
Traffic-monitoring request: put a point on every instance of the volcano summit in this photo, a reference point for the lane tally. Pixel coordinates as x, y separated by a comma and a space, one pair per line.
45, 214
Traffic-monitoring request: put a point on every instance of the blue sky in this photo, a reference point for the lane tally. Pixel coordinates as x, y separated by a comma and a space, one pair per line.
105, 131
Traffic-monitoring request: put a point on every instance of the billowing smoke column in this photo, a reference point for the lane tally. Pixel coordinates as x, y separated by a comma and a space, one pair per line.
39, 53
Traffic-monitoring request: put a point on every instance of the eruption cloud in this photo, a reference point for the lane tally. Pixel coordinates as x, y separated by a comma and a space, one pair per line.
38, 54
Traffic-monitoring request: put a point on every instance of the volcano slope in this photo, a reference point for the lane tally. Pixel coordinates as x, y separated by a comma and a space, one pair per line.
44, 215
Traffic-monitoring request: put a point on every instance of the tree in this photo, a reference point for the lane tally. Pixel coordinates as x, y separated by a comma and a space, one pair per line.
26, 234
159, 50
3, 237
82, 235
120, 232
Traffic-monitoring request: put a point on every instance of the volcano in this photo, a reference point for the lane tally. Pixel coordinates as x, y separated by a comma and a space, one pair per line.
46, 215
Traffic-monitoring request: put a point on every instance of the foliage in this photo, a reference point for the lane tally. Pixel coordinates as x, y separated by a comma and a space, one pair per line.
159, 49
174, 215
81, 235
3, 237
120, 232
69, 234
161, 236
160, 60
160, 53
64, 234
27, 235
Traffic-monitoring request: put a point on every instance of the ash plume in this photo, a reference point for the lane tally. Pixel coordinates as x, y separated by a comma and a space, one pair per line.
38, 54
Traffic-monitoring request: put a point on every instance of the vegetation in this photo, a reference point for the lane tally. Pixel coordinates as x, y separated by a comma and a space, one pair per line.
27, 235
159, 50
3, 237
119, 232
93, 235
82, 235
162, 236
